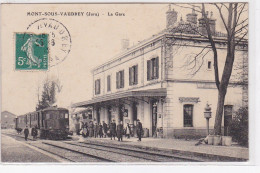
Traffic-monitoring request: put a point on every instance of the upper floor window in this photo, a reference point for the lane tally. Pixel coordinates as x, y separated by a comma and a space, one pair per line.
97, 86
120, 79
153, 68
209, 65
188, 115
108, 83
133, 75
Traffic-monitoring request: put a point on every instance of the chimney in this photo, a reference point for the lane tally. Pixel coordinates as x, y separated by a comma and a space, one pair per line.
212, 24
171, 18
124, 44
192, 17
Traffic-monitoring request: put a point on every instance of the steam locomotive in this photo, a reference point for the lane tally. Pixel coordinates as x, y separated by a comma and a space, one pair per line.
51, 123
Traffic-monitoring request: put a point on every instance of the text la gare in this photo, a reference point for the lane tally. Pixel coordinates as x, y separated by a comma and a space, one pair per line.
115, 14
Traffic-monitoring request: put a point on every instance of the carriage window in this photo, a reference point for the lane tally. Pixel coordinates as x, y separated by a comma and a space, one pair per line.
66, 115
61, 115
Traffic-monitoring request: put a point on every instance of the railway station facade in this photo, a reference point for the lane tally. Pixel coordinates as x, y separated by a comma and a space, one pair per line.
166, 81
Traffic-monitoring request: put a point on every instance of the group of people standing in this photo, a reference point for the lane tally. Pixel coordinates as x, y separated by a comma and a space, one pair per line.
34, 133
103, 130
94, 130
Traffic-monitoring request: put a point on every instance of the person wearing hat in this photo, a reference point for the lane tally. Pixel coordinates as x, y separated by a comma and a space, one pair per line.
96, 130
105, 129
127, 131
34, 132
26, 133
120, 131
112, 129
139, 130
91, 129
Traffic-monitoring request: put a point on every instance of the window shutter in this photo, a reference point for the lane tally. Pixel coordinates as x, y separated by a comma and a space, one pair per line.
130, 76
123, 80
117, 80
136, 74
95, 87
148, 69
133, 75
157, 67
108, 83
98, 86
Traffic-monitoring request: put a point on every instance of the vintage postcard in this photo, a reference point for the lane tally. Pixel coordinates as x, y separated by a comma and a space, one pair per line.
125, 82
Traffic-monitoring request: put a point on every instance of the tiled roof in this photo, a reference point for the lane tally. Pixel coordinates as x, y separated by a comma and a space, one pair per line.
190, 28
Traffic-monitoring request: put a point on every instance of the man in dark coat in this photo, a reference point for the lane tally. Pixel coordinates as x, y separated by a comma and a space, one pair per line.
120, 131
113, 129
91, 129
26, 133
96, 130
105, 129
128, 131
34, 132
100, 130
139, 130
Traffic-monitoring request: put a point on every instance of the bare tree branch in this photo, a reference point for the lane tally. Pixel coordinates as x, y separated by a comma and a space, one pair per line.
213, 47
241, 38
197, 55
201, 63
189, 7
222, 17
241, 29
224, 5
239, 14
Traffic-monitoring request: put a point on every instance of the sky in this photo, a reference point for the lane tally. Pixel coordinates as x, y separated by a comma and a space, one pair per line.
95, 40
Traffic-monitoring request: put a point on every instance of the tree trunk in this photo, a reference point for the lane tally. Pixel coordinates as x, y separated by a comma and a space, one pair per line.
219, 112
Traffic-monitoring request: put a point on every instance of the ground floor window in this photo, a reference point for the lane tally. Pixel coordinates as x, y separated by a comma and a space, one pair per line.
187, 115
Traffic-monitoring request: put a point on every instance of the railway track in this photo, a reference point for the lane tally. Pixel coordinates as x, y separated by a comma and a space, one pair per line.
66, 153
77, 153
151, 156
105, 155
69, 154
101, 152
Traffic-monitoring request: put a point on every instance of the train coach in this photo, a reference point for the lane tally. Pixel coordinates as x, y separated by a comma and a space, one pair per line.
52, 122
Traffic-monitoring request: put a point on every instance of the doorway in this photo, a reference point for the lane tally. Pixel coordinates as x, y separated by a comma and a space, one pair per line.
227, 119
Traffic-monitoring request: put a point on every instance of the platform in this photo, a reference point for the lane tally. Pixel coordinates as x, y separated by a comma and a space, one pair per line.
218, 153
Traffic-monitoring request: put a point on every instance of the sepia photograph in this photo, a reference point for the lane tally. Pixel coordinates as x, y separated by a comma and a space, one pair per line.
137, 83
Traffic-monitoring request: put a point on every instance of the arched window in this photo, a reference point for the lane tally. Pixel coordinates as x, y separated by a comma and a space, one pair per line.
187, 115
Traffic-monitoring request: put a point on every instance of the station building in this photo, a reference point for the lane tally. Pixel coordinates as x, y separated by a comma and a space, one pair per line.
166, 81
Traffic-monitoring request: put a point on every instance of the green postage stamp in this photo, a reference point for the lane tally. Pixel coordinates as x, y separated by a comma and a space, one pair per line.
31, 51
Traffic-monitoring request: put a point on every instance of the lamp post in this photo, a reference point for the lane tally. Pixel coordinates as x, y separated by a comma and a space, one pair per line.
207, 115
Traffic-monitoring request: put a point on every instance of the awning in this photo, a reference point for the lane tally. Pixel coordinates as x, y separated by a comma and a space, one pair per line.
160, 92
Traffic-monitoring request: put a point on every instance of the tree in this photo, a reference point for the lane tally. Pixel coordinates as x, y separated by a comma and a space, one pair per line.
236, 31
239, 126
48, 97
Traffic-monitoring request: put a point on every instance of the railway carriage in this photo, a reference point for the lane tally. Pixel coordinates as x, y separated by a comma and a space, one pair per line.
52, 122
